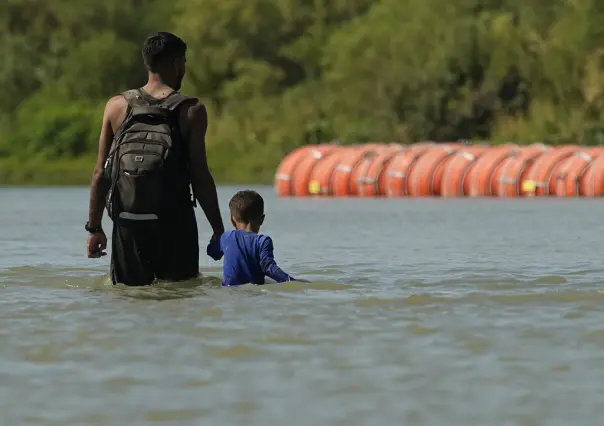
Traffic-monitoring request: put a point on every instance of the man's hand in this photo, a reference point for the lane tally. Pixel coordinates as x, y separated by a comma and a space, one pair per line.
213, 250
95, 245
216, 236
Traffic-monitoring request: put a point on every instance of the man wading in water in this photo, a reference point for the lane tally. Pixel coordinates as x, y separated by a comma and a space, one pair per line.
151, 150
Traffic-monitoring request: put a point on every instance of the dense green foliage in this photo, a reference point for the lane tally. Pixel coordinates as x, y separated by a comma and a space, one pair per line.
276, 74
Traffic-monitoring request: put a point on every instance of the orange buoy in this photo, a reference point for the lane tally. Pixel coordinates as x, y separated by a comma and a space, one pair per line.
484, 172
283, 186
320, 180
301, 174
514, 169
557, 167
538, 180
456, 170
594, 151
399, 167
591, 184
371, 153
346, 172
569, 174
425, 178
371, 176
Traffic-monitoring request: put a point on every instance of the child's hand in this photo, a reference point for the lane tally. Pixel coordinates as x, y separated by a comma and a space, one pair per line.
213, 250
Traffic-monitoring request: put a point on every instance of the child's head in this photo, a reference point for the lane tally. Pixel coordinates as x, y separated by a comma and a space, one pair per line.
247, 210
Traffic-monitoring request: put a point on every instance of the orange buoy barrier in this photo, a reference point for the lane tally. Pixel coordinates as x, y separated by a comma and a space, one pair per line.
456, 170
283, 186
301, 174
425, 178
371, 180
592, 182
485, 172
320, 181
399, 167
539, 179
451, 169
515, 168
344, 176
568, 177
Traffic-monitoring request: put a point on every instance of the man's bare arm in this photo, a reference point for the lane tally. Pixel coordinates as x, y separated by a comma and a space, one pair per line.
203, 183
99, 186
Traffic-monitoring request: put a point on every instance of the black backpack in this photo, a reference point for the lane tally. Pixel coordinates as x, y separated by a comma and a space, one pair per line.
147, 160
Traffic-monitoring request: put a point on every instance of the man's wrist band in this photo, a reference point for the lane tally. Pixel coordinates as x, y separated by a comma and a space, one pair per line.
92, 230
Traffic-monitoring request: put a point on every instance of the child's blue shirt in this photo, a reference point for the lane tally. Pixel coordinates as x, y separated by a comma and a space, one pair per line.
248, 258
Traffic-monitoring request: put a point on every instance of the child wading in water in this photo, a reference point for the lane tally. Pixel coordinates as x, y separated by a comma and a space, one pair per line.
248, 256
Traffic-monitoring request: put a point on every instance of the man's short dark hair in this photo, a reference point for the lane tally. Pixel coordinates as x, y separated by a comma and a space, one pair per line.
246, 206
162, 47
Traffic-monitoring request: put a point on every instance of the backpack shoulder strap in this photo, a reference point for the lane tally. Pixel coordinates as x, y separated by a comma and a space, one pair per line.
175, 100
134, 98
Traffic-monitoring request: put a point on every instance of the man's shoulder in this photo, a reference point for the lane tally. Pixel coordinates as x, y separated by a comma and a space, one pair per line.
187, 98
115, 111
121, 99
181, 101
116, 102
192, 113
194, 108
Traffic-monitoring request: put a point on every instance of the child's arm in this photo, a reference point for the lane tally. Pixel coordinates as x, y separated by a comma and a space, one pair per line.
268, 264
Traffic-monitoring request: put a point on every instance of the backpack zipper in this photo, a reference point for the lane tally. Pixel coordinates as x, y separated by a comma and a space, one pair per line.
149, 131
143, 141
138, 151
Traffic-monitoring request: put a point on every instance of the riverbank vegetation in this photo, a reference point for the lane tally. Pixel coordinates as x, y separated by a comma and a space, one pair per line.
276, 74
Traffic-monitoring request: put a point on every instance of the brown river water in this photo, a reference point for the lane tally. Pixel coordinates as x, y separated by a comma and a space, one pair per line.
421, 312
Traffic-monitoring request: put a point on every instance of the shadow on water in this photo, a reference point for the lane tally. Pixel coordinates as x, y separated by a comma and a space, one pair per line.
48, 277
161, 290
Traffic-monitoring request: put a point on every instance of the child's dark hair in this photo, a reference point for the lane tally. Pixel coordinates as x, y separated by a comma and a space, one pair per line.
246, 206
